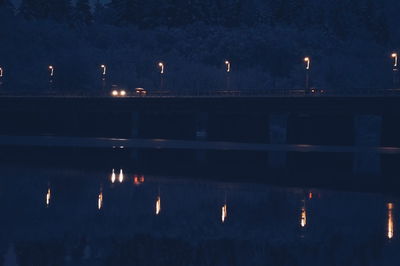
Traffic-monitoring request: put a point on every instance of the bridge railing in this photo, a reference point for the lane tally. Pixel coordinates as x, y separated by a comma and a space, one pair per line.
344, 92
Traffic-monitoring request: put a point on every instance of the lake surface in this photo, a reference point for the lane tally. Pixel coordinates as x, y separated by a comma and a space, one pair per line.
83, 216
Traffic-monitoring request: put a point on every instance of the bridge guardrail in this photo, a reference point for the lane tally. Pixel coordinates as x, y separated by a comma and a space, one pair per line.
353, 92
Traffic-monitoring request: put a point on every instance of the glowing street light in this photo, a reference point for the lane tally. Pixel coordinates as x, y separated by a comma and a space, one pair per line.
307, 60
51, 68
395, 69
1, 72
104, 68
161, 66
228, 66
395, 58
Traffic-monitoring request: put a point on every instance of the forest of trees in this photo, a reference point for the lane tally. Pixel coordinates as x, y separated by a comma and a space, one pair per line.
367, 18
266, 38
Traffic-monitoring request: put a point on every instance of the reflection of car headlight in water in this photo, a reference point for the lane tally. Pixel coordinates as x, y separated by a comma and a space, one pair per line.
122, 93
114, 93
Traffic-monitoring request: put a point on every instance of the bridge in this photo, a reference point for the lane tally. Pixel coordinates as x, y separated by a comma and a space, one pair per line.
366, 126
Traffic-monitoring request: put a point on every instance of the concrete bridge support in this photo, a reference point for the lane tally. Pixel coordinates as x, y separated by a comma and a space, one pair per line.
367, 134
201, 134
277, 135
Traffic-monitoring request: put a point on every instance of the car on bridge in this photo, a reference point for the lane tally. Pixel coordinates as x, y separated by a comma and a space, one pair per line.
140, 92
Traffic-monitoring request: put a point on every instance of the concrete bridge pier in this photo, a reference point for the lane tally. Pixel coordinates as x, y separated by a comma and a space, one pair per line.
367, 134
201, 134
135, 121
277, 135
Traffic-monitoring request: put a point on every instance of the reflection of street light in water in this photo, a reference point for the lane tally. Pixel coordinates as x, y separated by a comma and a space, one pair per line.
224, 212
100, 201
158, 205
121, 176
113, 176
48, 196
303, 218
390, 227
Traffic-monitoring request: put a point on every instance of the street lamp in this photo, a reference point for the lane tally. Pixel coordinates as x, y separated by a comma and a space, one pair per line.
395, 69
228, 70
51, 68
104, 68
161, 66
395, 58
1, 72
228, 66
307, 60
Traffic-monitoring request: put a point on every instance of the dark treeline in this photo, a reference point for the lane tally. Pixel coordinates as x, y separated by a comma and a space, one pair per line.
364, 18
349, 41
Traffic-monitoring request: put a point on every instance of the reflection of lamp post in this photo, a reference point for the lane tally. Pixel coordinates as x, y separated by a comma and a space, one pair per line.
100, 200
158, 205
303, 217
161, 66
390, 223
395, 69
307, 60
48, 196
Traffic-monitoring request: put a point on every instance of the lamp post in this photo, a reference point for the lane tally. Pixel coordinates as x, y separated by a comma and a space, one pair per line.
103, 76
162, 68
228, 66
1, 76
51, 69
51, 72
307, 61
228, 70
104, 69
395, 69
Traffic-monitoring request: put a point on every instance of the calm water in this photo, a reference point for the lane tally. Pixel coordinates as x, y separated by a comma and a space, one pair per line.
83, 217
